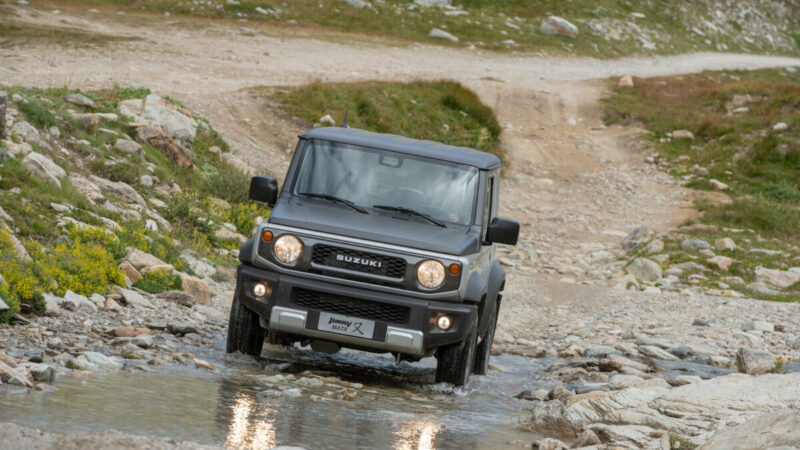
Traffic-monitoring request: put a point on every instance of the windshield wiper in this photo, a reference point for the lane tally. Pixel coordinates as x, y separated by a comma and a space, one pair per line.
333, 198
411, 212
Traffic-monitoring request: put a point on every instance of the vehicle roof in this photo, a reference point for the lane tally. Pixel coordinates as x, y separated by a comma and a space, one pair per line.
417, 147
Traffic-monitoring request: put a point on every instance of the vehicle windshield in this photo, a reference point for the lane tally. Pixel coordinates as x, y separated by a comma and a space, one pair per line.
369, 177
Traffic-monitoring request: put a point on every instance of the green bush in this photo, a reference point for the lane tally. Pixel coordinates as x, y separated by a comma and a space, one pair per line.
37, 114
159, 280
227, 183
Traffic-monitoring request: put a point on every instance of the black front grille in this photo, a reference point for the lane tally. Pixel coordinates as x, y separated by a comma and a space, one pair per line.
345, 258
352, 306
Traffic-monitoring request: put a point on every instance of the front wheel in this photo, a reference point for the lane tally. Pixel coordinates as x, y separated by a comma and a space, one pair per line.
245, 333
454, 362
484, 349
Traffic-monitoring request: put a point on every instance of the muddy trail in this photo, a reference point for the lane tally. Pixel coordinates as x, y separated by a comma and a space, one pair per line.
576, 186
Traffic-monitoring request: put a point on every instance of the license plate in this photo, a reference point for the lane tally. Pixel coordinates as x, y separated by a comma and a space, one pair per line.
350, 326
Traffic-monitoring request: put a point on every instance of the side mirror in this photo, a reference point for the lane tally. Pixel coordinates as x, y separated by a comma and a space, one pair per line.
503, 231
264, 189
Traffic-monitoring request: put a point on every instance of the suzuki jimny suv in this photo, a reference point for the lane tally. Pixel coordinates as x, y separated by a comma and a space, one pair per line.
379, 243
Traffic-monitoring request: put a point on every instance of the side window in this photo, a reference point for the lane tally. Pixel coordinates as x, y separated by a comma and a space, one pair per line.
488, 213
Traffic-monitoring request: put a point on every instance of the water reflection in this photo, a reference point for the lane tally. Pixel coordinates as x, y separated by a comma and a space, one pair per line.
259, 435
417, 435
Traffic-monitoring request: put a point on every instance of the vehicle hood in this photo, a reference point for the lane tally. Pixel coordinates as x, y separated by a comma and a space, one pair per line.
396, 229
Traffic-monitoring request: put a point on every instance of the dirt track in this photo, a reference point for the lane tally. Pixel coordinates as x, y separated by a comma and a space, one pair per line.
576, 186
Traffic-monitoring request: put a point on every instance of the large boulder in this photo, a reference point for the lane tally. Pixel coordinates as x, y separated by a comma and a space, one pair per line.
779, 279
771, 430
754, 362
79, 99
697, 409
43, 167
556, 26
135, 300
644, 269
19, 250
89, 190
30, 135
165, 144
119, 190
197, 288
162, 115
143, 260
128, 147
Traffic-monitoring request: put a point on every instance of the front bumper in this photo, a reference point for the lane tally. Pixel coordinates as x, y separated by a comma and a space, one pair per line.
403, 324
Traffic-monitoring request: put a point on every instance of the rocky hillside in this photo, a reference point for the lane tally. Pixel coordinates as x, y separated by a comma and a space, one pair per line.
604, 28
110, 191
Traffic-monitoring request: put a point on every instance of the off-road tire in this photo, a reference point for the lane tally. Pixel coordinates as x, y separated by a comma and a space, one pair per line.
245, 334
454, 362
484, 349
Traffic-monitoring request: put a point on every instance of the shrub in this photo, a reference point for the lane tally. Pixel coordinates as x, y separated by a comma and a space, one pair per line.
227, 183
37, 114
159, 280
243, 216
84, 268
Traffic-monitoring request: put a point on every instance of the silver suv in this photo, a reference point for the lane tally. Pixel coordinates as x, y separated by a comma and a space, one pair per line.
378, 243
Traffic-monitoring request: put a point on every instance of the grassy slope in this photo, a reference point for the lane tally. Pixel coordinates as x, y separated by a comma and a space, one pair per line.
606, 26
61, 258
441, 111
761, 165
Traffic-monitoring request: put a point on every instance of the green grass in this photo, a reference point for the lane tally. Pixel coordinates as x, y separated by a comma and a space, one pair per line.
441, 111
606, 26
211, 193
158, 281
761, 165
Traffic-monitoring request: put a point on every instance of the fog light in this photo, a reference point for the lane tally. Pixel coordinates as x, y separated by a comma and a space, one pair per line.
444, 322
261, 289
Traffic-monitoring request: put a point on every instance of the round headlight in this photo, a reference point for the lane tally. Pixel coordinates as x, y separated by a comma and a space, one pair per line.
287, 248
430, 274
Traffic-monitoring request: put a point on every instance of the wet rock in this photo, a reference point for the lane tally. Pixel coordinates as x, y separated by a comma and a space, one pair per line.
718, 361
437, 33
79, 99
143, 340
210, 313
556, 26
643, 339
135, 300
163, 143
560, 393
15, 375
571, 351
586, 438
754, 362
549, 444
293, 393
128, 147
615, 363
181, 328
40, 372
539, 395
657, 353
644, 269
200, 364
102, 361
701, 322
683, 380
179, 297
44, 168
346, 394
